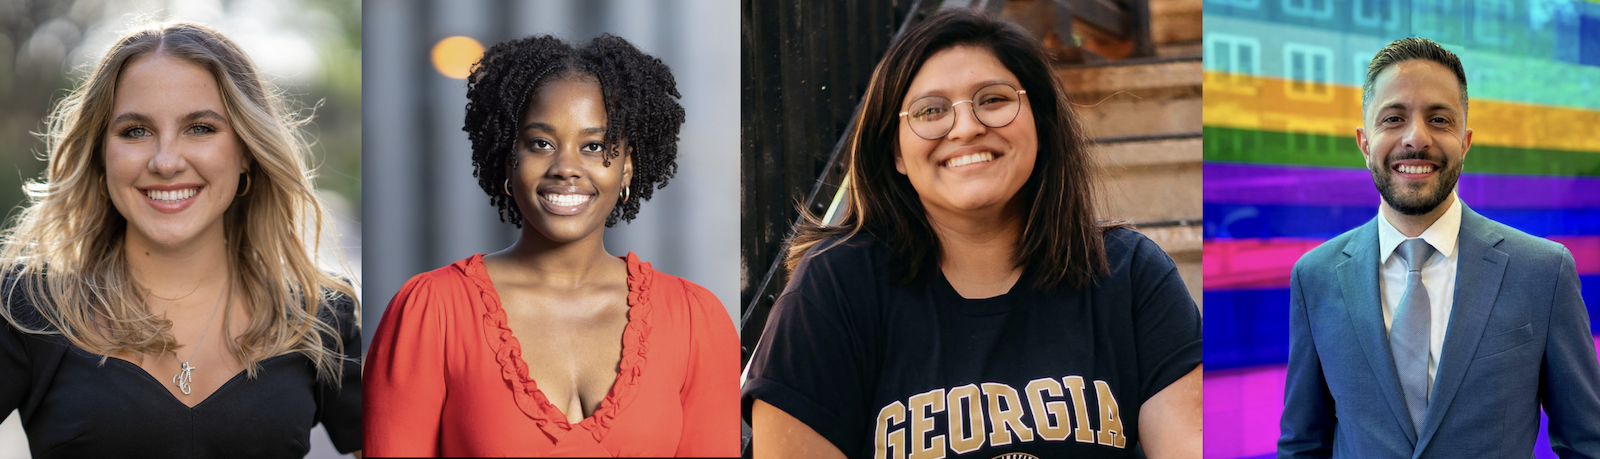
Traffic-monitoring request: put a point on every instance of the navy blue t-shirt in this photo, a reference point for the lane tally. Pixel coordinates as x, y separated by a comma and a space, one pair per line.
882, 370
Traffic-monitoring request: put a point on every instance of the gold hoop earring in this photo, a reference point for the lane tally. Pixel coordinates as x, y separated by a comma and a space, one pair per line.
507, 186
625, 192
246, 185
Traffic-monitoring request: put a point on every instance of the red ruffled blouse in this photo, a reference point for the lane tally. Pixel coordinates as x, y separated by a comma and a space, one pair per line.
445, 376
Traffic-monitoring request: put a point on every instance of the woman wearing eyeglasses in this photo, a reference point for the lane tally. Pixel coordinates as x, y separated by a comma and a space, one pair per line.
969, 304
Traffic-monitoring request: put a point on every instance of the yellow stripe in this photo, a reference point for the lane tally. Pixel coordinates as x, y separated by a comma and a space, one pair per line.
1275, 104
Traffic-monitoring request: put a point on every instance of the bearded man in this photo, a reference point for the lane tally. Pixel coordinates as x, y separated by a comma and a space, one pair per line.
1431, 331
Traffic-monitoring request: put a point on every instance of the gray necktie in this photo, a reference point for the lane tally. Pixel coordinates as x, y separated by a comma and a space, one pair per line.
1409, 333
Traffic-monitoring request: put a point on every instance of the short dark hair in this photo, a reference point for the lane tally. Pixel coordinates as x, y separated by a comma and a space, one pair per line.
1061, 242
1406, 49
639, 96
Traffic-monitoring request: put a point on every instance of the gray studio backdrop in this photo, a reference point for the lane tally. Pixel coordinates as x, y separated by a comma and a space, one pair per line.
424, 209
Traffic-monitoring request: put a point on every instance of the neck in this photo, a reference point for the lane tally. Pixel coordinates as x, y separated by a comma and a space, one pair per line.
175, 271
561, 263
1414, 225
979, 245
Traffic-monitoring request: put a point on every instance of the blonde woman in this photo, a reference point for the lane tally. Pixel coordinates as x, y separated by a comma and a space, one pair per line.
161, 295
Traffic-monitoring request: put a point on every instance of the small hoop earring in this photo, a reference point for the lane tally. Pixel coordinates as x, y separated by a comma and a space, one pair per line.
102, 188
625, 192
507, 186
246, 185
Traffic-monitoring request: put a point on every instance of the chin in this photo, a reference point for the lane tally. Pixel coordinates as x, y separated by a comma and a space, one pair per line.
564, 232
983, 197
974, 203
169, 238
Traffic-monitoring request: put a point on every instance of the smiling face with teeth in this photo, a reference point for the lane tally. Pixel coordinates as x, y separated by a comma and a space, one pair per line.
1415, 136
974, 167
561, 182
172, 159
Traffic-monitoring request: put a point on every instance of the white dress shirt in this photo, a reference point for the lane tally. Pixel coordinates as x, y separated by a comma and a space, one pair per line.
1438, 275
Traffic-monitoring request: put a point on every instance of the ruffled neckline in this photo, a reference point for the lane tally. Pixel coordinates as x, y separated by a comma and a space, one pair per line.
525, 392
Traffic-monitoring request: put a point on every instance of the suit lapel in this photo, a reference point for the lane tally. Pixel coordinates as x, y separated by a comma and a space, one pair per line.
1480, 269
1358, 279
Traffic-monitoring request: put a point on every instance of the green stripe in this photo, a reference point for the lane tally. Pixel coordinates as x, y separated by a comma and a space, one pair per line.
1271, 147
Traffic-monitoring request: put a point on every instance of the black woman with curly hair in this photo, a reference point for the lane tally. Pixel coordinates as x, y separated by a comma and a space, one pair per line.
554, 347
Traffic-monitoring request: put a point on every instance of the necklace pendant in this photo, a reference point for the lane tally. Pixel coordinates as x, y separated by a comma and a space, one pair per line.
185, 374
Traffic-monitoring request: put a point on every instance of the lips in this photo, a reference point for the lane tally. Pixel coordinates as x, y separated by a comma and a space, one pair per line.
970, 159
170, 198
564, 200
974, 158
1412, 169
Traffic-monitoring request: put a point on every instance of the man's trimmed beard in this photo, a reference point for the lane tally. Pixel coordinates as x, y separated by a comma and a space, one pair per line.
1431, 196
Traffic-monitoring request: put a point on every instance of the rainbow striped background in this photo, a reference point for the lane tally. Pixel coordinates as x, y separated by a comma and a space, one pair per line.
1282, 99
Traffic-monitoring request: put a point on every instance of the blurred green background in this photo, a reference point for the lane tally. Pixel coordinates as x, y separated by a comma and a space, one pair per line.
310, 48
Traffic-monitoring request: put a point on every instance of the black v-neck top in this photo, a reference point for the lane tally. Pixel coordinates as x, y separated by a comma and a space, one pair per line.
74, 406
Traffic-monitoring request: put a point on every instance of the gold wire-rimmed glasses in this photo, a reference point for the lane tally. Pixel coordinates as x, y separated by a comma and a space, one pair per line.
995, 106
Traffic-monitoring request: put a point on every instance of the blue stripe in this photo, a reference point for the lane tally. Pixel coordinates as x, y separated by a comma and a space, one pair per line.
1246, 328
1242, 221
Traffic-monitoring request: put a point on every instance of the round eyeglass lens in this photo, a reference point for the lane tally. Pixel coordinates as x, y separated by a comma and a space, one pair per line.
930, 117
996, 105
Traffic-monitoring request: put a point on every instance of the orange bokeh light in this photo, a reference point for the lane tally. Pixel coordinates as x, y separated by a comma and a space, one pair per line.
454, 56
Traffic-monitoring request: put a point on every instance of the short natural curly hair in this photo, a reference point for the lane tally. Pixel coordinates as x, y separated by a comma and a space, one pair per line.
641, 111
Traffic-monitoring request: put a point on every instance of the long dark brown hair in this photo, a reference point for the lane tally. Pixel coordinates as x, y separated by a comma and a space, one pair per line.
1061, 242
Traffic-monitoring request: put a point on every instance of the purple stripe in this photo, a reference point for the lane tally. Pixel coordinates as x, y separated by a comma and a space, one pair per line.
1327, 186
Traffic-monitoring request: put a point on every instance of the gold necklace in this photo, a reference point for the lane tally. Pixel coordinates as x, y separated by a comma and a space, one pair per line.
152, 292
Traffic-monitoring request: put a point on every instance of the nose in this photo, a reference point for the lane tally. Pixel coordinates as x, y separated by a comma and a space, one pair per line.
566, 164
966, 125
168, 160
1415, 137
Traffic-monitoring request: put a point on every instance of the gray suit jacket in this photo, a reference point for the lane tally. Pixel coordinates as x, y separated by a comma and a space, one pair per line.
1518, 338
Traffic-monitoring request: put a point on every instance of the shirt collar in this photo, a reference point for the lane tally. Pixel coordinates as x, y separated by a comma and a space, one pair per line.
1442, 235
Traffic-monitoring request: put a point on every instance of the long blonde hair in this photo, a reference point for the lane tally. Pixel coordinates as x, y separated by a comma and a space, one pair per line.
66, 246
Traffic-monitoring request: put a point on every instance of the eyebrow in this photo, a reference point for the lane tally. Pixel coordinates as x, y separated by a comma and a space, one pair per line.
202, 114
1431, 107
548, 128
192, 116
980, 85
